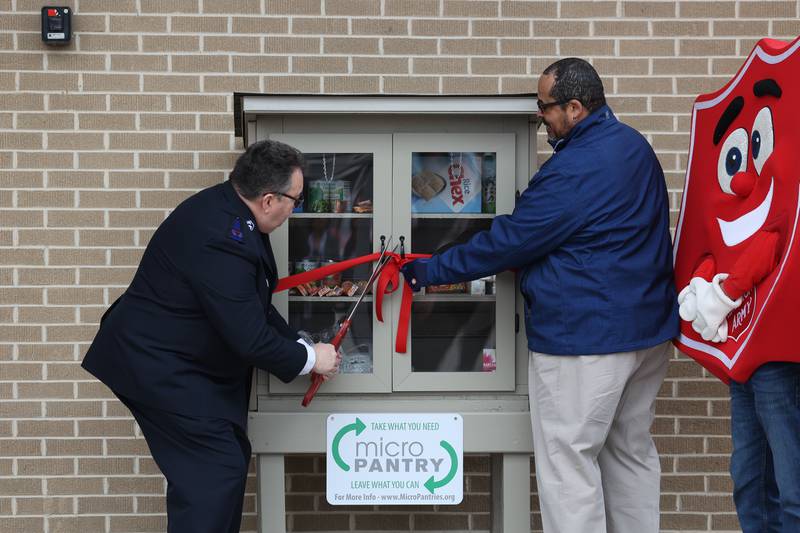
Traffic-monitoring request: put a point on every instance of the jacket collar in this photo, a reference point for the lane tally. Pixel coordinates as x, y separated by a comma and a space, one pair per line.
603, 114
235, 203
238, 207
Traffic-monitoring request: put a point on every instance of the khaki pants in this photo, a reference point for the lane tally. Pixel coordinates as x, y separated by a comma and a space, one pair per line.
597, 467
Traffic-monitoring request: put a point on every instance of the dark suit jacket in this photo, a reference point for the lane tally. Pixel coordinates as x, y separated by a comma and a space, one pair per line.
198, 315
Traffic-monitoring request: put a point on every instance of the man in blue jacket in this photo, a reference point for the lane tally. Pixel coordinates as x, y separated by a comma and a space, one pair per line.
178, 347
590, 236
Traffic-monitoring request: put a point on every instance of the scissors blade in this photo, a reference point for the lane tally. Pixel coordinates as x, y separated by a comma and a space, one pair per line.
382, 262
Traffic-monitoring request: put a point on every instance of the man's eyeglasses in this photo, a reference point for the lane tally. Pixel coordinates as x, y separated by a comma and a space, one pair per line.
544, 106
297, 201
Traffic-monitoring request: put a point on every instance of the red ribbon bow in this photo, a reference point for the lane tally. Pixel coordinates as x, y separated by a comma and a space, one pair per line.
388, 282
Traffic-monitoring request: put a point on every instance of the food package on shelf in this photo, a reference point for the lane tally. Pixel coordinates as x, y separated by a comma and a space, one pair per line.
450, 288
446, 182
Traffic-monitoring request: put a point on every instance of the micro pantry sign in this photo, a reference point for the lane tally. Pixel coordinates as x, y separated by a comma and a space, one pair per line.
395, 459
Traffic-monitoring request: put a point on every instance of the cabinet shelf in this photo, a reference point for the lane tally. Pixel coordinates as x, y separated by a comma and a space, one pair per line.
444, 297
476, 216
331, 299
331, 215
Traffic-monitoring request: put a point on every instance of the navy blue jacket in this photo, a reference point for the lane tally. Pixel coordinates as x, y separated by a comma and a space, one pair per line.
198, 315
591, 237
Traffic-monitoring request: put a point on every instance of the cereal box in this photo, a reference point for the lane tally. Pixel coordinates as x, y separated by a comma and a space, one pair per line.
446, 182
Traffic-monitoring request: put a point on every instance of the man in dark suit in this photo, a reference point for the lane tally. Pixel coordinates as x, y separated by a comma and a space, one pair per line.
178, 347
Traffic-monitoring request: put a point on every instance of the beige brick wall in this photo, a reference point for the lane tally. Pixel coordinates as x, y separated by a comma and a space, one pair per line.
99, 139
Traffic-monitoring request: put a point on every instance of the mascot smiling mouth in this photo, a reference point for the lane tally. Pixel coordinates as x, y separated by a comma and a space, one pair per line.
744, 227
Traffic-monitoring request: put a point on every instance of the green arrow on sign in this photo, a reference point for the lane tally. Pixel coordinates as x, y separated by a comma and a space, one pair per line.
358, 427
432, 484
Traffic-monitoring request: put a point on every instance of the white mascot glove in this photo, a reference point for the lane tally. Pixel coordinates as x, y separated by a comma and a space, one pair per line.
687, 301
706, 305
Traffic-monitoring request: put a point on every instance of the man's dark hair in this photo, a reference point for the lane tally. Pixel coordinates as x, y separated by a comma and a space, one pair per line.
576, 79
266, 166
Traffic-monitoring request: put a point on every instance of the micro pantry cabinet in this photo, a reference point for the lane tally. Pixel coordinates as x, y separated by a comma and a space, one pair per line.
425, 172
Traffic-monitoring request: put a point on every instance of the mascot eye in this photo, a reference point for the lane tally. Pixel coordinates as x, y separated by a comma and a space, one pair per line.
763, 138
732, 158
756, 144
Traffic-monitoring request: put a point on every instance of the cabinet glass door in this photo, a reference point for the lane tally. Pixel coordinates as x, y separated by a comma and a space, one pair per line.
448, 187
347, 207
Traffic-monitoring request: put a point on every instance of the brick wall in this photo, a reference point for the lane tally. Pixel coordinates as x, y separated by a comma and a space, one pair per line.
308, 510
99, 139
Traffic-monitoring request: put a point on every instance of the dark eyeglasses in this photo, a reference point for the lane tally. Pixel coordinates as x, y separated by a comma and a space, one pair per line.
297, 201
544, 106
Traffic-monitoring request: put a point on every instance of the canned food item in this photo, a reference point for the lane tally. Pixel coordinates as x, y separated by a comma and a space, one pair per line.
318, 196
305, 265
306, 289
339, 196
331, 280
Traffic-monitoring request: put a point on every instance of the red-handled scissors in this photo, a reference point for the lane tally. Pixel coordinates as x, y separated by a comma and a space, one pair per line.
317, 379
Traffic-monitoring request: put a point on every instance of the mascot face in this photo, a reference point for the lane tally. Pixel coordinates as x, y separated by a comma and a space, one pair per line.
743, 178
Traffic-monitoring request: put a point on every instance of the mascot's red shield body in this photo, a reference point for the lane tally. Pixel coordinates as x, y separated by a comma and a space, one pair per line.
740, 211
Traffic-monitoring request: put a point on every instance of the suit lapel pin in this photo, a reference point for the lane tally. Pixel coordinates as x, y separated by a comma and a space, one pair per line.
250, 224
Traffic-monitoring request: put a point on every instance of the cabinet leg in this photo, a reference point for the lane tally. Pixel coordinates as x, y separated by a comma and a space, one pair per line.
271, 494
511, 493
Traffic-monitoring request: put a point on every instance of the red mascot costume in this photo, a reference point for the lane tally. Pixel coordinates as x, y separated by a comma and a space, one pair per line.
737, 262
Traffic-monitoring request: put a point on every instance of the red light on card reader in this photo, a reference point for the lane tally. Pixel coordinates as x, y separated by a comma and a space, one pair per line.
52, 12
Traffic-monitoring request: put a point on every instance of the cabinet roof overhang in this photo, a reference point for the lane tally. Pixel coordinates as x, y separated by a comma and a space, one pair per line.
321, 104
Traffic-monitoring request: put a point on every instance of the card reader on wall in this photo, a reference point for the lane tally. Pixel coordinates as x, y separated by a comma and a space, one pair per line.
56, 25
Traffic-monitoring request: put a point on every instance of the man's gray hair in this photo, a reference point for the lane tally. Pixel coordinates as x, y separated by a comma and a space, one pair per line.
576, 79
266, 166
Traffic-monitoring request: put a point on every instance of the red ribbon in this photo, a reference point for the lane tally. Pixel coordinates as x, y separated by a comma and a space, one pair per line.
390, 275
290, 282
388, 282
